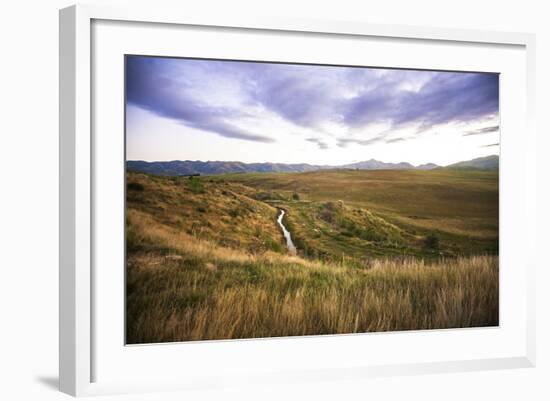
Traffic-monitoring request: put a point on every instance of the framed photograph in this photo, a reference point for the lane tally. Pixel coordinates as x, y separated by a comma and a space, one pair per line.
269, 201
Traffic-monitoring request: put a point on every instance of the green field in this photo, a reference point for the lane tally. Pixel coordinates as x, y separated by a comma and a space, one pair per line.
376, 250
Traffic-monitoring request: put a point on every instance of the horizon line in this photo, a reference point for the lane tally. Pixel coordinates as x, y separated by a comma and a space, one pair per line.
309, 164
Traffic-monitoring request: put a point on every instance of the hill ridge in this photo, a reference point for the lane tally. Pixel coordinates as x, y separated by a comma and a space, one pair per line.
210, 167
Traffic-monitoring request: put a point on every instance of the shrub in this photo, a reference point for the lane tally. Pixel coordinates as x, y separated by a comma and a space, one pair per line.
196, 185
328, 213
369, 234
295, 196
234, 212
263, 196
135, 186
431, 241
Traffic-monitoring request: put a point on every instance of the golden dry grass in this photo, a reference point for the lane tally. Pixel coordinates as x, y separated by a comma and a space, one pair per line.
181, 288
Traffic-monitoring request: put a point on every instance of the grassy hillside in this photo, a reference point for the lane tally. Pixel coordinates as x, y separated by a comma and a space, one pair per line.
206, 259
395, 210
221, 212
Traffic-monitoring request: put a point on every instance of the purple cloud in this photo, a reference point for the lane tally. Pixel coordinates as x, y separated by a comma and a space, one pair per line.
446, 97
222, 97
153, 85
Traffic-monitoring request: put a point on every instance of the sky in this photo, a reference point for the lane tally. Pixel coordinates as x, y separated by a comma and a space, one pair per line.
193, 109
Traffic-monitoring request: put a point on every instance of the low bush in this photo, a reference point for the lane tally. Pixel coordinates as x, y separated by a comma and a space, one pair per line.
196, 185
135, 186
431, 242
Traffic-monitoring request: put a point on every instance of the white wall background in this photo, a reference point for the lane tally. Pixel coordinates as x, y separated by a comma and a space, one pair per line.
29, 200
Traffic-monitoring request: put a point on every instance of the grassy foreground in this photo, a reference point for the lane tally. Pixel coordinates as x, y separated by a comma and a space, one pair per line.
183, 289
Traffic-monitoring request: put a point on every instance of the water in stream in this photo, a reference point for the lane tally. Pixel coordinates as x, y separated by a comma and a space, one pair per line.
286, 233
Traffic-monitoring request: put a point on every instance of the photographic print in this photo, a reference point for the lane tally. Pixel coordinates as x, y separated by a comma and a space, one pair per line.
272, 199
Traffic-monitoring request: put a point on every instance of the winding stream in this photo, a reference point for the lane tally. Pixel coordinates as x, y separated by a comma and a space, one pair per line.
286, 233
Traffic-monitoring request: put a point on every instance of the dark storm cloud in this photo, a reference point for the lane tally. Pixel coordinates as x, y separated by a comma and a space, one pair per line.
313, 97
481, 131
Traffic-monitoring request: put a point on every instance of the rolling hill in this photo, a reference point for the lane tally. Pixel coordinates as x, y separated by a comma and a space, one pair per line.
197, 167
480, 163
189, 167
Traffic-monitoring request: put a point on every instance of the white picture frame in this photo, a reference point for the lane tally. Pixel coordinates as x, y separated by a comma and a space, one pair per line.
79, 153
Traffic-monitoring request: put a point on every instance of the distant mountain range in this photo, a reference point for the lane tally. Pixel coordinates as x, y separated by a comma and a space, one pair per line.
192, 167
374, 164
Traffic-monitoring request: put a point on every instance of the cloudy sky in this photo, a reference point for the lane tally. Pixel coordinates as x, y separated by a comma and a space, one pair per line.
186, 109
